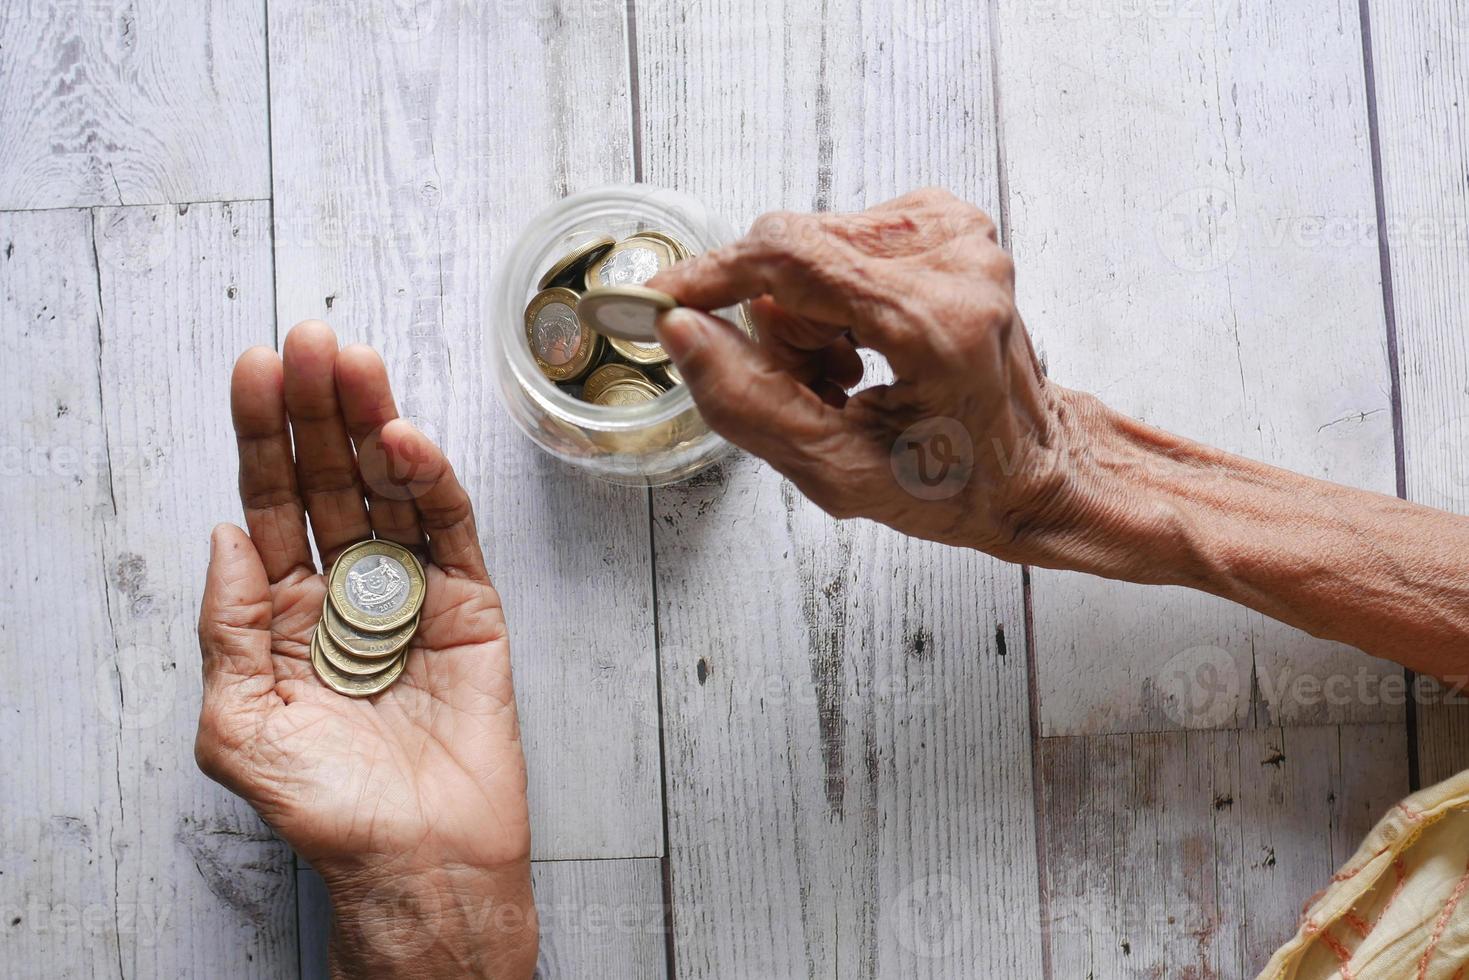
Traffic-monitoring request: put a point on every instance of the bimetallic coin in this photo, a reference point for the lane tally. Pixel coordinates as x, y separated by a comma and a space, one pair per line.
344, 661
563, 346
639, 353
625, 312
628, 392
608, 374
670, 372
680, 250
376, 586
363, 645
353, 687
631, 262
570, 268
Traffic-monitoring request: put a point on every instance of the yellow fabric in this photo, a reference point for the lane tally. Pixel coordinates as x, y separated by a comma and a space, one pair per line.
1399, 908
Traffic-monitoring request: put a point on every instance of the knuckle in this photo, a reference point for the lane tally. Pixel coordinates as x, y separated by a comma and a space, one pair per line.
776, 234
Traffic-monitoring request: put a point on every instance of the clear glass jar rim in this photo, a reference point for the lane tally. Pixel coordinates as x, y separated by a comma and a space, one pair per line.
671, 211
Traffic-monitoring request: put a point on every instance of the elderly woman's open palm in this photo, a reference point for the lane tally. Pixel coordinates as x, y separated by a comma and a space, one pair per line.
415, 796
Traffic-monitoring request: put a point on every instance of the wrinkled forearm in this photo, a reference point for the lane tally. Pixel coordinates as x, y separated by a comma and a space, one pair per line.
1142, 505
448, 922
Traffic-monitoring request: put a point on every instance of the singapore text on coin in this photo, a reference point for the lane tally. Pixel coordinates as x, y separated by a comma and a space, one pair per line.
348, 684
562, 345
608, 374
377, 586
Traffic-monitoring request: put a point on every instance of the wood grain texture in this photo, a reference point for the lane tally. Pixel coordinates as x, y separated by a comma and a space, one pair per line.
120, 858
114, 102
1191, 854
1420, 58
845, 710
409, 153
1191, 208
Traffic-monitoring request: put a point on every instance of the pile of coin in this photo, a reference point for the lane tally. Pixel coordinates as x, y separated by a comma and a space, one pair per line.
373, 600
590, 326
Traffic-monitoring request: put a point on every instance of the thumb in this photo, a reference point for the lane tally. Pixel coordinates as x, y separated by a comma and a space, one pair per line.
235, 622
743, 393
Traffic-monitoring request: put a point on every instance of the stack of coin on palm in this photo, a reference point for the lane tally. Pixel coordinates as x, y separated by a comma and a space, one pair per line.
373, 599
590, 327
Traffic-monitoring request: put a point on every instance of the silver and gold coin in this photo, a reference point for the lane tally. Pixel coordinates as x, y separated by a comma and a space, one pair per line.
571, 268
680, 250
625, 312
606, 375
645, 355
376, 586
628, 392
344, 661
360, 643
631, 262
352, 685
562, 345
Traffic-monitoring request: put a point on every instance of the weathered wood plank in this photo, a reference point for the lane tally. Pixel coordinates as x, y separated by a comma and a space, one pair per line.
598, 919
601, 919
120, 857
1191, 208
110, 102
408, 155
845, 710
1420, 58
1192, 853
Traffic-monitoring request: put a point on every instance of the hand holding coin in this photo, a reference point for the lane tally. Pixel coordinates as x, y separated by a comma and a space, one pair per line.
409, 798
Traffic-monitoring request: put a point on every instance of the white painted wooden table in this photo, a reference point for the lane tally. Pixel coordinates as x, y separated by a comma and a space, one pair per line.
764, 743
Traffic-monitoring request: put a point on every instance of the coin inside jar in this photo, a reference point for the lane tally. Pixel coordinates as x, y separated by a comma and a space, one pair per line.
625, 312
680, 250
606, 375
646, 355
377, 586
571, 267
562, 345
628, 392
631, 262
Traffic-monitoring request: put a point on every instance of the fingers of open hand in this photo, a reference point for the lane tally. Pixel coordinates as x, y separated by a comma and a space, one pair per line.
234, 642
444, 508
273, 509
367, 405
326, 466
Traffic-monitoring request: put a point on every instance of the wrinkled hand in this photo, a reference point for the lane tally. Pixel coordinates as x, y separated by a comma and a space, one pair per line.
959, 448
412, 803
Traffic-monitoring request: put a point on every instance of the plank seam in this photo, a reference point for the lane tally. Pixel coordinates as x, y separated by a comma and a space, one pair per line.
1389, 310
135, 204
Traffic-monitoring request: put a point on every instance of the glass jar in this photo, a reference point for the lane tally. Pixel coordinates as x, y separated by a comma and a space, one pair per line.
650, 444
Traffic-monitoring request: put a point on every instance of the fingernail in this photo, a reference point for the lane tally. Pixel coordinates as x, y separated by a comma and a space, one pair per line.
681, 332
